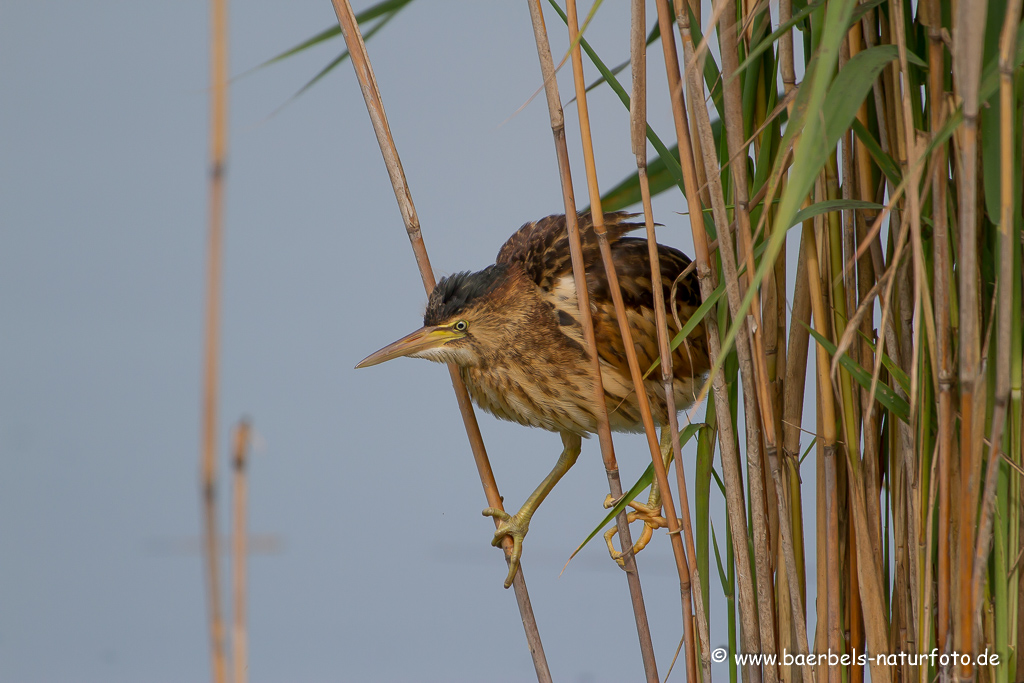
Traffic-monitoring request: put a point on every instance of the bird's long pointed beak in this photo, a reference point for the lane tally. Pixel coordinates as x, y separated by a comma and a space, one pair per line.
428, 337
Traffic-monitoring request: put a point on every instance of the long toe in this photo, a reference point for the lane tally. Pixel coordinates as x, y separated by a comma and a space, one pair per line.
512, 526
650, 514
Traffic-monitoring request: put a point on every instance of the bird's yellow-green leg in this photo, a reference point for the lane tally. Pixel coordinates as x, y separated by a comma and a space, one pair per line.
649, 513
515, 526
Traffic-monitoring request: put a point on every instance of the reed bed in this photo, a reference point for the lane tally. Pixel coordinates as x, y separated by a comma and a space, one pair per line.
894, 154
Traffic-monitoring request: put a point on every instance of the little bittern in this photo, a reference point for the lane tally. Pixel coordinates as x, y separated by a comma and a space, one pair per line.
513, 329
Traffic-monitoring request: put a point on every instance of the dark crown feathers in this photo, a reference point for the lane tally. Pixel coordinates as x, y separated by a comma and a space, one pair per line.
455, 292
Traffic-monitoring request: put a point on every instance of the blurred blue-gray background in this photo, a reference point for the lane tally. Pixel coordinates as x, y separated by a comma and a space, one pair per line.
378, 565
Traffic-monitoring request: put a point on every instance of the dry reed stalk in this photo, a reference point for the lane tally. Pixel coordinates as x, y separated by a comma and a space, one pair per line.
865, 275
940, 279
968, 39
208, 455
636, 373
866, 562
796, 371
786, 66
882, 89
865, 606
914, 168
925, 625
239, 553
749, 349
1018, 458
686, 161
683, 9
378, 117
557, 119
828, 511
793, 403
790, 569
1001, 399
906, 498
854, 616
638, 125
773, 335
736, 505
869, 429
903, 623
820, 521
906, 494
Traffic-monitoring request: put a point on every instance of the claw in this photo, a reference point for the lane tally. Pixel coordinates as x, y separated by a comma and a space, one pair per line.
652, 520
515, 527
610, 502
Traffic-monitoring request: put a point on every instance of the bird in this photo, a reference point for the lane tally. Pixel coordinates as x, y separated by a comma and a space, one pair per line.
514, 332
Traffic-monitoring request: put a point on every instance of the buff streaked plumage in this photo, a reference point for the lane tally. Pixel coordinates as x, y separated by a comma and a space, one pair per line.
532, 367
513, 330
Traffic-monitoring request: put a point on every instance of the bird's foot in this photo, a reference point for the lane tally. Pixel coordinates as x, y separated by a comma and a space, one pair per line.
514, 527
652, 519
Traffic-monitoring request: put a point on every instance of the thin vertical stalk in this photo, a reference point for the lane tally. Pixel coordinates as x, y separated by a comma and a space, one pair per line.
1009, 339
903, 474
968, 39
638, 126
796, 371
857, 229
660, 473
749, 347
854, 616
827, 486
686, 162
239, 554
1007, 42
924, 619
378, 117
786, 66
557, 119
736, 506
208, 455
864, 510
820, 513
917, 266
865, 280
940, 279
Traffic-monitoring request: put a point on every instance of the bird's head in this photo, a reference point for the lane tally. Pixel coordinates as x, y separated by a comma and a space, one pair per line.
463, 323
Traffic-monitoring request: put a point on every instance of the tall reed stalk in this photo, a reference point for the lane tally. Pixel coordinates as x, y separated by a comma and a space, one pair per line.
378, 117
557, 120
208, 447
240, 551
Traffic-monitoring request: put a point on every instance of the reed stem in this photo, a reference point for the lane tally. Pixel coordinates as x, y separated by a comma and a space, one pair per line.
211, 351
557, 119
378, 117
240, 553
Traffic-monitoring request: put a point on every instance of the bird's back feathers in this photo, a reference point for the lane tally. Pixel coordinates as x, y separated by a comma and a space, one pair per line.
541, 249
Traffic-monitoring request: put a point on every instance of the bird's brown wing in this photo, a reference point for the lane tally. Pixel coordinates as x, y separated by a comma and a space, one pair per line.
632, 265
542, 247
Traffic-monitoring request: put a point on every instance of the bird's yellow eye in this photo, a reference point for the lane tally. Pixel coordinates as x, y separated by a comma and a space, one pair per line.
460, 326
